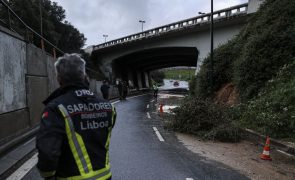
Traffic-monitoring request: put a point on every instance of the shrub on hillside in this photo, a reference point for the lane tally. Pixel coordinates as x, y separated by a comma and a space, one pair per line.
192, 85
269, 46
224, 57
252, 58
204, 119
273, 111
158, 76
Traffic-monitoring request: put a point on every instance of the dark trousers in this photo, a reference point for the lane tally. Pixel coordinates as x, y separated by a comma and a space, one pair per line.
105, 96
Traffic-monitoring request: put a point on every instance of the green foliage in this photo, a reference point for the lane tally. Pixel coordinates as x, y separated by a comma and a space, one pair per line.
224, 57
270, 45
158, 76
252, 58
192, 85
260, 61
179, 74
204, 119
62, 34
273, 111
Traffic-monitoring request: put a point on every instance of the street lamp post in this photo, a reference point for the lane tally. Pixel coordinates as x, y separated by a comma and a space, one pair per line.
41, 23
105, 37
211, 49
141, 21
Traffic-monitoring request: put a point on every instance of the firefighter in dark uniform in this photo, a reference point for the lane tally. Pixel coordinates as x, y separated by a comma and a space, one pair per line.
75, 129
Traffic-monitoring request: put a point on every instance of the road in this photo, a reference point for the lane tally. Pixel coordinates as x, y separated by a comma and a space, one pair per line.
137, 152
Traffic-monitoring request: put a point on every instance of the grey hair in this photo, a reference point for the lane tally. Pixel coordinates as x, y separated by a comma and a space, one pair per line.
70, 68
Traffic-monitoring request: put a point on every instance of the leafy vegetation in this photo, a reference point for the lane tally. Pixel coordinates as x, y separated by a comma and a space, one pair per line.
59, 32
179, 74
204, 119
273, 111
252, 58
259, 61
157, 76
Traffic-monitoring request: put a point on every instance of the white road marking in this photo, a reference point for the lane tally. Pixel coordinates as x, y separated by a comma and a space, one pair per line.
189, 179
148, 115
24, 169
284, 152
158, 134
115, 102
152, 100
147, 106
137, 96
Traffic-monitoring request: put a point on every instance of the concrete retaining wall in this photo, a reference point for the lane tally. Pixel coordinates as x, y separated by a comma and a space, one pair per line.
27, 76
12, 73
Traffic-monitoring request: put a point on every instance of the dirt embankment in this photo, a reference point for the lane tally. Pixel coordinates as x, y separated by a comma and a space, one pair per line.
227, 95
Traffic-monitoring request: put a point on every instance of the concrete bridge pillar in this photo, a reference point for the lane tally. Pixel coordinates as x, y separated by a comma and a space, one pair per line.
146, 80
253, 5
139, 79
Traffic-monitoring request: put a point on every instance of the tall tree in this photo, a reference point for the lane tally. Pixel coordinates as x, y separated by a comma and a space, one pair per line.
55, 29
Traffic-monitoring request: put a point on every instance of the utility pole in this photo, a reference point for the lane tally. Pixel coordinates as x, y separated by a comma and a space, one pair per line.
211, 49
105, 37
41, 19
141, 21
41, 23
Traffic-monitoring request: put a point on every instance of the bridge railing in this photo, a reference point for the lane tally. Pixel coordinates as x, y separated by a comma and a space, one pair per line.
176, 26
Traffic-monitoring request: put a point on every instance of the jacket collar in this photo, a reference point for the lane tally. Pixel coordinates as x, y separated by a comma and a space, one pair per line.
63, 90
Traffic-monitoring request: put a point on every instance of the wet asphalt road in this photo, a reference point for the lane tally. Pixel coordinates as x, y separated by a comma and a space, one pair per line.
137, 154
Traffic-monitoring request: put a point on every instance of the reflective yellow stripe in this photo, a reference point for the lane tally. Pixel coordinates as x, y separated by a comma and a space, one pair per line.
113, 114
101, 174
84, 151
47, 174
76, 144
109, 137
107, 148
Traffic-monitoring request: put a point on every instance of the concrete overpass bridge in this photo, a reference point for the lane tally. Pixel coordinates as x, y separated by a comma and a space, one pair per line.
183, 43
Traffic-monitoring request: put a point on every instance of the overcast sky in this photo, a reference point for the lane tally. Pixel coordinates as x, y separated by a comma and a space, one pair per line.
118, 18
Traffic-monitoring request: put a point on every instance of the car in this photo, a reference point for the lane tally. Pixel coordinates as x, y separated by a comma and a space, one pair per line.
176, 84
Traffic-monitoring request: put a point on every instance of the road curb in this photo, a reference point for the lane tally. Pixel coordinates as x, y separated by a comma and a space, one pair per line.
254, 136
16, 157
5, 148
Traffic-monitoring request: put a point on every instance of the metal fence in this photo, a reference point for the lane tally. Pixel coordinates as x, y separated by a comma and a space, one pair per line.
12, 21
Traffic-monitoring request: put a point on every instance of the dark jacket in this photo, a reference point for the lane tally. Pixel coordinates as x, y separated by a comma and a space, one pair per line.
105, 89
92, 119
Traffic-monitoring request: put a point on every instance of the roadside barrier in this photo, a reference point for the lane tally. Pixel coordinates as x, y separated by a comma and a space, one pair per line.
161, 108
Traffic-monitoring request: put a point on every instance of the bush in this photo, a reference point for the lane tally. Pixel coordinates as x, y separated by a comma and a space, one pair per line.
192, 85
273, 111
224, 57
252, 58
158, 76
204, 119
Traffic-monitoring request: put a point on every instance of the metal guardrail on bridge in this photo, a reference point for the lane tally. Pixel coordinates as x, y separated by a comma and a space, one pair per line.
205, 18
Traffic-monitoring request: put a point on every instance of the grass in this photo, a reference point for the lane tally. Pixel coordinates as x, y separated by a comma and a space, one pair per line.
179, 74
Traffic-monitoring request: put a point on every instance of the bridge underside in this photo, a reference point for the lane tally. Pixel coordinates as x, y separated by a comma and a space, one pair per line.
135, 67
